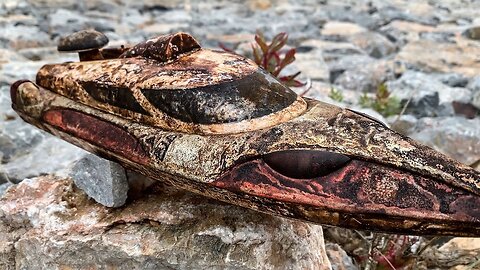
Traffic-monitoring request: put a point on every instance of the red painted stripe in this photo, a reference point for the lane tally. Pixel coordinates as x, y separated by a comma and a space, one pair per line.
97, 132
358, 187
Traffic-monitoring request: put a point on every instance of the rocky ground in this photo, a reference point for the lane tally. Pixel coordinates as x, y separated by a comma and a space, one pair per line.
423, 53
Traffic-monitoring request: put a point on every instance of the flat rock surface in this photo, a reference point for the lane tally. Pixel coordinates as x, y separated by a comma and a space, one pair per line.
47, 223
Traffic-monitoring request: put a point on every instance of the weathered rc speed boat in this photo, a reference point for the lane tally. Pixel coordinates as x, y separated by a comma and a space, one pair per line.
215, 123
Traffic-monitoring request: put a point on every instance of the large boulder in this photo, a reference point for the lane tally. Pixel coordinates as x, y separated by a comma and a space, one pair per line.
46, 224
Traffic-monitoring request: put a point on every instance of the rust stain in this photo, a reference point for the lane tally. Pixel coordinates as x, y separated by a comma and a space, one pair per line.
359, 188
164, 48
97, 132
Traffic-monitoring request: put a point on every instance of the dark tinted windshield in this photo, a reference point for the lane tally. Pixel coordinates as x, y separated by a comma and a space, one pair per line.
120, 97
253, 96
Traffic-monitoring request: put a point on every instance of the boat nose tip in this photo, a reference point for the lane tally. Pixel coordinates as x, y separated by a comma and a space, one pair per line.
24, 93
14, 90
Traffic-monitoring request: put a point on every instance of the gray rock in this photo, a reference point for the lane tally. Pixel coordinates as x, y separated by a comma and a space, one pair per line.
441, 57
455, 136
102, 5
164, 229
476, 99
4, 187
322, 91
333, 52
63, 22
103, 180
41, 53
22, 36
474, 85
452, 79
13, 71
439, 37
15, 144
374, 44
427, 96
311, 64
390, 13
365, 78
339, 64
345, 13
401, 32
339, 258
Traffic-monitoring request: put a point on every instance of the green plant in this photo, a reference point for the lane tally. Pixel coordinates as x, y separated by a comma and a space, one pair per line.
272, 58
335, 94
382, 103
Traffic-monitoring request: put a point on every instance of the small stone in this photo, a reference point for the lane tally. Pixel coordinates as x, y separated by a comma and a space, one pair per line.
334, 28
401, 32
311, 65
366, 78
408, 11
3, 188
339, 258
259, 4
474, 85
374, 44
442, 57
476, 99
456, 137
332, 51
63, 22
428, 97
103, 180
340, 63
23, 36
452, 79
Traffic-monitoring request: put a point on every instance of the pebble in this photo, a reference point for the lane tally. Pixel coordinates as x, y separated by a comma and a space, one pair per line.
367, 77
374, 44
103, 180
456, 137
427, 96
